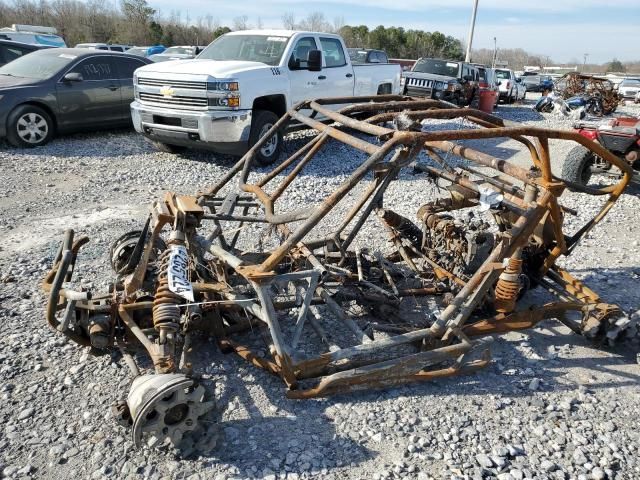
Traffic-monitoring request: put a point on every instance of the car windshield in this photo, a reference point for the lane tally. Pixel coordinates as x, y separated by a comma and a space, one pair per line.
437, 67
140, 51
631, 82
503, 74
178, 50
251, 48
357, 56
39, 65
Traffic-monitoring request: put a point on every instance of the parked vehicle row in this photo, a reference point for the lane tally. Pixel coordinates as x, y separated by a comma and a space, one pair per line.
63, 90
460, 82
225, 100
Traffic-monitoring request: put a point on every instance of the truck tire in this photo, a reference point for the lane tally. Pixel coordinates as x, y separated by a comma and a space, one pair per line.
577, 166
29, 126
262, 121
168, 147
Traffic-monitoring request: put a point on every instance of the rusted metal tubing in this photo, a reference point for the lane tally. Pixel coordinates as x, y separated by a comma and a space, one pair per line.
326, 206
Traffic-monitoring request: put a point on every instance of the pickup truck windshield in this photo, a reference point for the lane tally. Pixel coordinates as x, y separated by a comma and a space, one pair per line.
249, 48
437, 67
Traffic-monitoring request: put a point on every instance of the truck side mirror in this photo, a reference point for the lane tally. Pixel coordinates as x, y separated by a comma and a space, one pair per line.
314, 61
467, 78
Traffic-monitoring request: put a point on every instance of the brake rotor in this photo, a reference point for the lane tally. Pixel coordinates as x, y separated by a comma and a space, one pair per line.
170, 410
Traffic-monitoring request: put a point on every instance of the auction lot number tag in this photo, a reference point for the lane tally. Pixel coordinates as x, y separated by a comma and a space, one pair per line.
178, 272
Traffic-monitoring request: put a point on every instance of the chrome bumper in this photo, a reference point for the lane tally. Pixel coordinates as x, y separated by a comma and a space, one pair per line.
203, 126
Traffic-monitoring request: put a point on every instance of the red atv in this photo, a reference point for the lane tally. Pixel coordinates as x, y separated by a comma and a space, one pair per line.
621, 136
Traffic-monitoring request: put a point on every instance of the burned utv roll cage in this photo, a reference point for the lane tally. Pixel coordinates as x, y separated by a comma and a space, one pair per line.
299, 292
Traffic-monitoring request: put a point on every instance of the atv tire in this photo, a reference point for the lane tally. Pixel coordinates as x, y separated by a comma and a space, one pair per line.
577, 166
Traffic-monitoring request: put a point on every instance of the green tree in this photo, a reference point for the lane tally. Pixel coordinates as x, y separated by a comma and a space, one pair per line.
616, 66
155, 32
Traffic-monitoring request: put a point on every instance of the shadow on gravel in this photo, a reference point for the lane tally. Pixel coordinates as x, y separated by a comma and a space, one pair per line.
519, 113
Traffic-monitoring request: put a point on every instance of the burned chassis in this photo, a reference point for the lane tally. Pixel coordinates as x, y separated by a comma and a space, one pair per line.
477, 276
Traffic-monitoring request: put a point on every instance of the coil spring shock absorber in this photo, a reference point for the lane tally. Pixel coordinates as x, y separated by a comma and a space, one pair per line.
166, 313
508, 286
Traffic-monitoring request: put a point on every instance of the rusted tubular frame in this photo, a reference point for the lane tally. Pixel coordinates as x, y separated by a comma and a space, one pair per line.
234, 218
271, 319
364, 100
322, 138
129, 361
482, 159
327, 205
304, 309
283, 165
361, 145
352, 122
513, 203
399, 160
398, 105
357, 206
250, 356
394, 372
476, 116
520, 320
343, 317
133, 328
520, 232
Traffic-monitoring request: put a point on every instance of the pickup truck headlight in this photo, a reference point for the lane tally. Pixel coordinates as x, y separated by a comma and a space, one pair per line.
223, 86
227, 102
403, 80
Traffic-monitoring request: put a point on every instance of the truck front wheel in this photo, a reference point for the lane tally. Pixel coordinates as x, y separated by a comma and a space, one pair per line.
262, 122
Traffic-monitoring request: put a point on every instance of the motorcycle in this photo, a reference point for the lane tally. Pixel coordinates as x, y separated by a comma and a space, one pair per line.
582, 104
621, 136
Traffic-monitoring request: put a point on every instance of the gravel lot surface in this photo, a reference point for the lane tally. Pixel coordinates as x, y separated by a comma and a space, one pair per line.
550, 406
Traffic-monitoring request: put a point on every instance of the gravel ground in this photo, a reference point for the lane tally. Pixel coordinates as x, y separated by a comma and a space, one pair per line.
549, 406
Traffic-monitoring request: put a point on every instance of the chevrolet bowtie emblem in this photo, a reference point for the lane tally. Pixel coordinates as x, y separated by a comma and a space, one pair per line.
166, 91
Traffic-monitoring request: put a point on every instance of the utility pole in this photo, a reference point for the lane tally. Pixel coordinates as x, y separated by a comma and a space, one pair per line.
495, 52
467, 58
584, 64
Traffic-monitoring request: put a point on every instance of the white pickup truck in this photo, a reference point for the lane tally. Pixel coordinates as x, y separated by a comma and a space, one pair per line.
236, 89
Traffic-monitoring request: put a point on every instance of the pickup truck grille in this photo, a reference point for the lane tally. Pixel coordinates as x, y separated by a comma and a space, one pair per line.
188, 103
184, 84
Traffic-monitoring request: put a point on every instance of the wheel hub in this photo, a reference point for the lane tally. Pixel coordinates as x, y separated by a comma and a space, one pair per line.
170, 409
270, 145
32, 128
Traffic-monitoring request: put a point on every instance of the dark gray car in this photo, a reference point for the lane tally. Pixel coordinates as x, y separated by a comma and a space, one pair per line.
63, 90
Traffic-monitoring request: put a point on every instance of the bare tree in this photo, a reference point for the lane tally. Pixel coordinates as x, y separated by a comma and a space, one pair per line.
315, 22
240, 23
289, 21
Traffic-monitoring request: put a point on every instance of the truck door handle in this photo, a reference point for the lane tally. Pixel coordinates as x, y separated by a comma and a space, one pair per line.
349, 75
113, 88
322, 77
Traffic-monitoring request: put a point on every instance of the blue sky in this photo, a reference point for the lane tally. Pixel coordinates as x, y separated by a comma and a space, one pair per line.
563, 29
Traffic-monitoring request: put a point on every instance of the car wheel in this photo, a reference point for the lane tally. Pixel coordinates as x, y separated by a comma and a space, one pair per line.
168, 147
262, 122
29, 126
